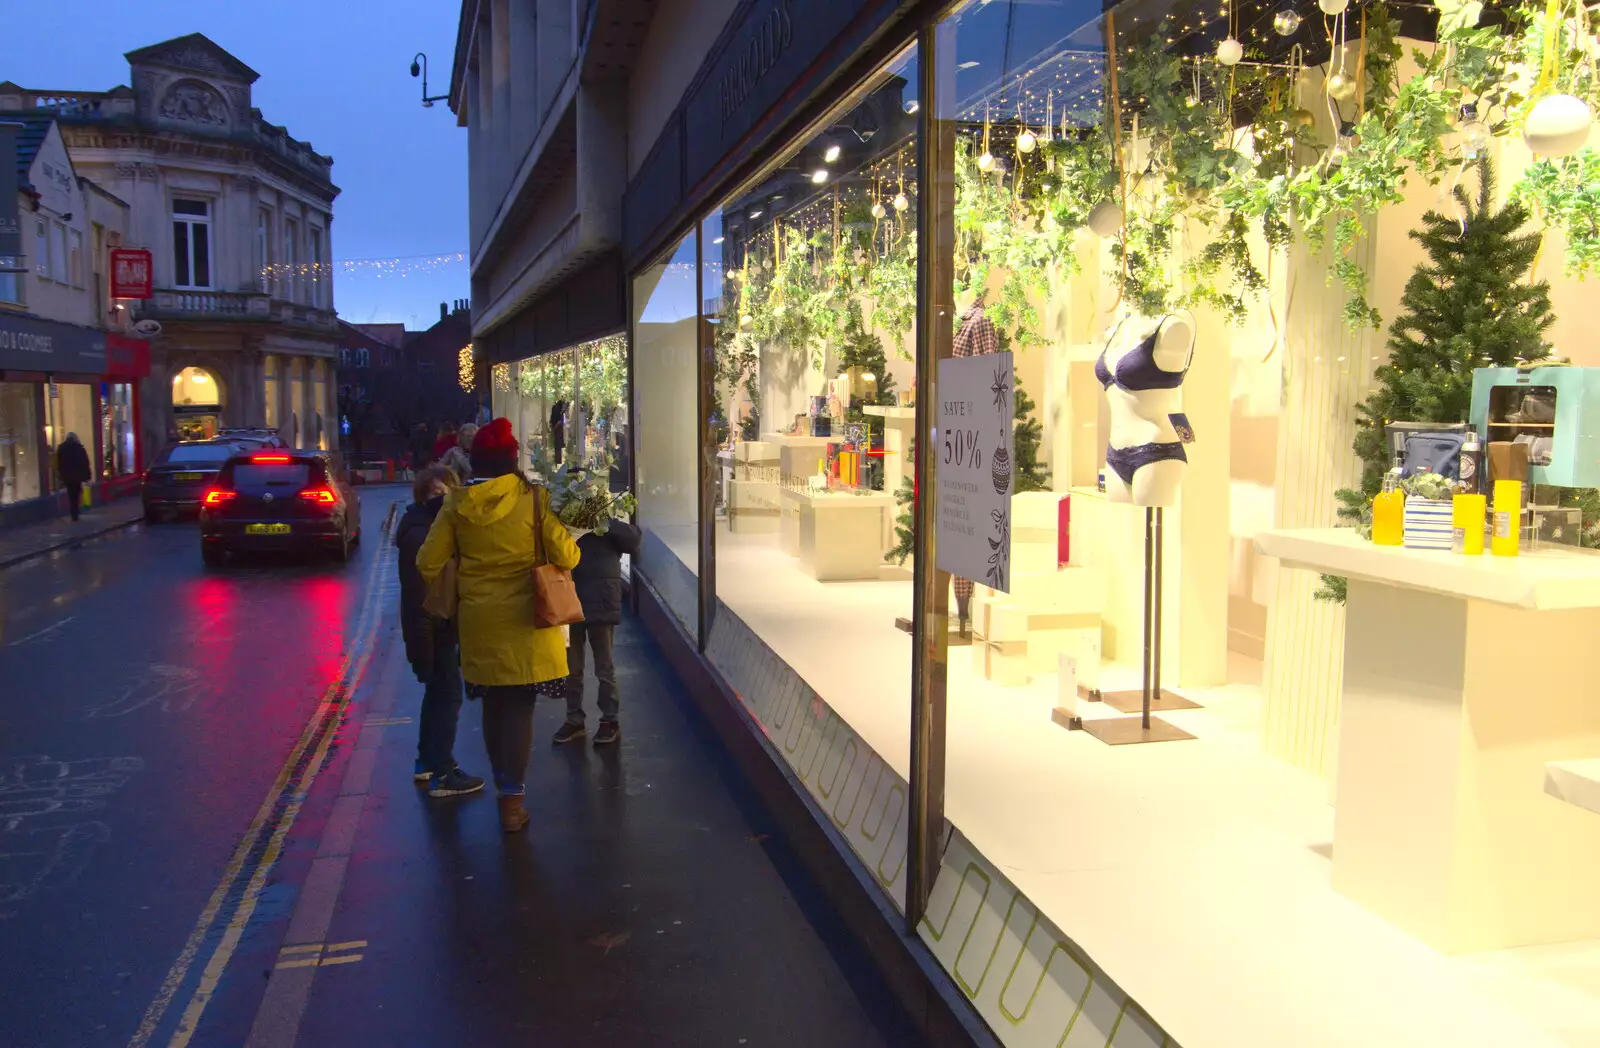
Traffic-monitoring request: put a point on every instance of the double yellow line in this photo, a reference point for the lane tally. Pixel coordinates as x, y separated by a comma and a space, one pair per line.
271, 825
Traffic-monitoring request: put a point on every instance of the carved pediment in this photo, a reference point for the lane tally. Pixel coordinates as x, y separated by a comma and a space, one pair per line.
194, 53
194, 102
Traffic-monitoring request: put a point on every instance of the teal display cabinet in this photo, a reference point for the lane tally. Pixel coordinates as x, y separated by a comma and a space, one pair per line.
1512, 402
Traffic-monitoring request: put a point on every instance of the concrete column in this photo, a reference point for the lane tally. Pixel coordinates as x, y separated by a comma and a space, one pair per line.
524, 116
555, 48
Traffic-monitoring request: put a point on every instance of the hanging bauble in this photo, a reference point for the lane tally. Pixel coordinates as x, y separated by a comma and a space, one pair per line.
1105, 218
1341, 87
1230, 51
1472, 133
1026, 142
746, 320
1286, 22
1333, 7
900, 202
1558, 125
878, 210
986, 162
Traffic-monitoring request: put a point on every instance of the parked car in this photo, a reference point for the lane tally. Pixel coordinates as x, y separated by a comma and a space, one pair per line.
267, 438
183, 471
280, 499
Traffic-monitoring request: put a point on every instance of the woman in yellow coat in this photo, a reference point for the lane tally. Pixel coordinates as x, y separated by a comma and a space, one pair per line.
490, 525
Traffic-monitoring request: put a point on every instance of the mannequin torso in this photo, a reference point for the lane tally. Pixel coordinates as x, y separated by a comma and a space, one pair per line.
1142, 369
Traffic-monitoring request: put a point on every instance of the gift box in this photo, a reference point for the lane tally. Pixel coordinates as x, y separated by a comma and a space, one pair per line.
999, 620
1428, 524
1003, 662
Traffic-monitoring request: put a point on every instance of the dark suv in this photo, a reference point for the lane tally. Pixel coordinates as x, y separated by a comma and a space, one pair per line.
279, 499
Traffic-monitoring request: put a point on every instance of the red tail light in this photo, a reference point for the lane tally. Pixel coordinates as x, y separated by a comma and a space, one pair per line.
321, 496
217, 496
271, 460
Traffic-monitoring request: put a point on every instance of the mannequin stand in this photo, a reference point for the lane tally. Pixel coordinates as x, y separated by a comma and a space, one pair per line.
1121, 731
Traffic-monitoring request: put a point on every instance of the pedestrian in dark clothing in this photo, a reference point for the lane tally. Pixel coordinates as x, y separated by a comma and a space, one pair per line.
598, 580
72, 465
432, 646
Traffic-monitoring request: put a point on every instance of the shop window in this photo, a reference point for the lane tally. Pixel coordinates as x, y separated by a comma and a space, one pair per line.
665, 347
116, 429
191, 243
270, 390
70, 407
19, 442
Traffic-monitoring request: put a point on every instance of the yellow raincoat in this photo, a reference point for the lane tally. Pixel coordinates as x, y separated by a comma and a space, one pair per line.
491, 525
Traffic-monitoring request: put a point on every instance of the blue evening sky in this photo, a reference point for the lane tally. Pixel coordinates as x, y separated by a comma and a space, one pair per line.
334, 72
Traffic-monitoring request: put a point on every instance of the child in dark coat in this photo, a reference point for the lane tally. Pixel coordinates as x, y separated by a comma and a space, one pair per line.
598, 580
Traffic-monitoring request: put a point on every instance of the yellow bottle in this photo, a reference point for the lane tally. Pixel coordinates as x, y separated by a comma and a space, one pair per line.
1507, 535
1389, 513
1466, 520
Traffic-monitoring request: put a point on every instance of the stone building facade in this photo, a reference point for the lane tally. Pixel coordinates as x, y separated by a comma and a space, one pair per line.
238, 215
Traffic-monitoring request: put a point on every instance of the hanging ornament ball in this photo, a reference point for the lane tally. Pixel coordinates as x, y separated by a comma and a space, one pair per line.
746, 320
1558, 125
1105, 218
1026, 142
900, 202
1285, 22
878, 210
1342, 87
986, 162
1333, 7
1230, 51
1303, 118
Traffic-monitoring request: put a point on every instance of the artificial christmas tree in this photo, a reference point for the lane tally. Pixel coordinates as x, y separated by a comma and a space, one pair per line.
1466, 307
859, 348
1029, 474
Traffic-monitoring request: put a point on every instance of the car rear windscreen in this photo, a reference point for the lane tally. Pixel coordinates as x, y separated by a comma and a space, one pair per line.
212, 454
262, 475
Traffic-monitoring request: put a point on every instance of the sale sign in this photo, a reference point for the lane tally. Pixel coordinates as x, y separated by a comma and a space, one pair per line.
131, 273
975, 468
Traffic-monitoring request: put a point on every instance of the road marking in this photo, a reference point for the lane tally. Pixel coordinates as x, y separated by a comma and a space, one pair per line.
277, 814
41, 633
319, 954
384, 722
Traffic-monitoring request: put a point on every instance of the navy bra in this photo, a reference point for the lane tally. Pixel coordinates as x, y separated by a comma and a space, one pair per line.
1137, 370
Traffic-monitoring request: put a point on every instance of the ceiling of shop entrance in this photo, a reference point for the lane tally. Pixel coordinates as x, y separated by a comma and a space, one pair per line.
195, 386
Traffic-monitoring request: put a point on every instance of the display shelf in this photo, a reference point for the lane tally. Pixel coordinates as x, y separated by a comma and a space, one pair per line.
1576, 782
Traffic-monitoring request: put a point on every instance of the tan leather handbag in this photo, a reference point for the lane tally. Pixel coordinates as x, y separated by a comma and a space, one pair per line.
443, 595
555, 598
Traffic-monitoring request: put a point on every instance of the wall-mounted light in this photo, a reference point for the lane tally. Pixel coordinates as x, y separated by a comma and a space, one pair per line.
419, 67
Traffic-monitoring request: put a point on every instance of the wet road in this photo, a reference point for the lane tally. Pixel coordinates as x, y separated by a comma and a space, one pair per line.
148, 707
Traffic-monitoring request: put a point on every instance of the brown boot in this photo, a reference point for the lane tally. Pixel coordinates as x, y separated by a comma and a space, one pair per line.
513, 816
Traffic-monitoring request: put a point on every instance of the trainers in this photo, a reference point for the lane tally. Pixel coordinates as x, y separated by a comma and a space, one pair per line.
609, 732
568, 733
420, 772
454, 783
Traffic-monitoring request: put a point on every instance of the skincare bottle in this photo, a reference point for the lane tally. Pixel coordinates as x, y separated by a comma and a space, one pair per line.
1389, 512
1467, 520
1470, 468
1507, 535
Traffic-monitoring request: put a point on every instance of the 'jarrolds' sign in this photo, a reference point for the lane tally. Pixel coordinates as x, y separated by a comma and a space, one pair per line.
28, 344
755, 54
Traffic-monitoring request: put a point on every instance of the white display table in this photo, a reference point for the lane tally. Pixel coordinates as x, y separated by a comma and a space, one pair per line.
899, 424
837, 536
1463, 678
798, 455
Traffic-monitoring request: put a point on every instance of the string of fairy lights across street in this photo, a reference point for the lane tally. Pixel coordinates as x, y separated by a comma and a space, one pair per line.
381, 268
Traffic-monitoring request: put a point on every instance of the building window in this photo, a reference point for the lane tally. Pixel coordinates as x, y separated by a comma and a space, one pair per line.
363, 358
10, 283
58, 253
41, 247
263, 250
191, 243
291, 283
319, 277
75, 258
270, 390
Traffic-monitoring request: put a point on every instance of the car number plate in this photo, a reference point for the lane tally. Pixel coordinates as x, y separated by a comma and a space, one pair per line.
187, 476
266, 529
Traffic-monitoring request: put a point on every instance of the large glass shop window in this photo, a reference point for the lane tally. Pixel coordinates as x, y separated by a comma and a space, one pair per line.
809, 298
664, 347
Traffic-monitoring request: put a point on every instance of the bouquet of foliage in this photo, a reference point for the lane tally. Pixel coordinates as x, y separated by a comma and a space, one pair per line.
581, 496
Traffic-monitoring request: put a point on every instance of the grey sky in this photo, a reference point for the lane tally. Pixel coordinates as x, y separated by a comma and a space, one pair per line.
333, 72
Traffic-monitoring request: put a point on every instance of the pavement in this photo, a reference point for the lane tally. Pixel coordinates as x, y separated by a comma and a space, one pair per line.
209, 836
25, 542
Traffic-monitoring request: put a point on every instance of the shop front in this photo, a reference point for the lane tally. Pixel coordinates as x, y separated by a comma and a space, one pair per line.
569, 405
121, 449
992, 410
49, 380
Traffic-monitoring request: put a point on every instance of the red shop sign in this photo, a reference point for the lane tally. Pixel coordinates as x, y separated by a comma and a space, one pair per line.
127, 357
130, 273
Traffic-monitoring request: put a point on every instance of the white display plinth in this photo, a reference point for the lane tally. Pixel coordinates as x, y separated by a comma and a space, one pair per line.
798, 455
1463, 678
1576, 782
899, 424
837, 536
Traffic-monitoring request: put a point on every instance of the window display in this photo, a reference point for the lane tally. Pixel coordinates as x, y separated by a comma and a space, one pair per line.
71, 410
19, 442
1222, 250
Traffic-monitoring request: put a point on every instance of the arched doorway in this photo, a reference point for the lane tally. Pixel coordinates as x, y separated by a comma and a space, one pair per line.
196, 403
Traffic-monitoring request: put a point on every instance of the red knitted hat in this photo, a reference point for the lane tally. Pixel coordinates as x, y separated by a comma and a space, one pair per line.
495, 439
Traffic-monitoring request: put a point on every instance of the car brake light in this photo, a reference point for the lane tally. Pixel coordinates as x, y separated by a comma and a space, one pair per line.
273, 459
321, 496
217, 496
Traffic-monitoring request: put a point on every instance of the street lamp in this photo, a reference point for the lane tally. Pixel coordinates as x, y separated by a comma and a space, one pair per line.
419, 67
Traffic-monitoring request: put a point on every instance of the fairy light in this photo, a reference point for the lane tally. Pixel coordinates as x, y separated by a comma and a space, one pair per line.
466, 372
394, 267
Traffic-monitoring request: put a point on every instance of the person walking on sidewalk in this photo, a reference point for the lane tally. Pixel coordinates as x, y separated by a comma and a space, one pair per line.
72, 466
598, 579
458, 457
431, 646
500, 527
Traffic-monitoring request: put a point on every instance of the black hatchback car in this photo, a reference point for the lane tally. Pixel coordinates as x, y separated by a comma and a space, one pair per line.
183, 472
279, 499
